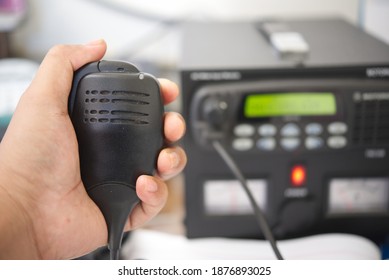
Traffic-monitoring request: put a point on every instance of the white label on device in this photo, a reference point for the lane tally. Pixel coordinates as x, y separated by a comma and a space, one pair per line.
227, 197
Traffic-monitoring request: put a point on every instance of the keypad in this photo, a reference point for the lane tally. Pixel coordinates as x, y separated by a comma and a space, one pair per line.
290, 136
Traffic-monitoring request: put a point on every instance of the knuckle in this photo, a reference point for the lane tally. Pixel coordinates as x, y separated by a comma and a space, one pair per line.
57, 51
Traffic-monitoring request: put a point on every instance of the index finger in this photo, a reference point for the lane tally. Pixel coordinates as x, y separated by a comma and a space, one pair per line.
169, 90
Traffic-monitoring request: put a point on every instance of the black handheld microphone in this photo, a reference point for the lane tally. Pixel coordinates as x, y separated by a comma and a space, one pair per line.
117, 114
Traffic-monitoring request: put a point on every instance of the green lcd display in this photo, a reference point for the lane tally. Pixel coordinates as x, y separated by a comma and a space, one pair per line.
289, 104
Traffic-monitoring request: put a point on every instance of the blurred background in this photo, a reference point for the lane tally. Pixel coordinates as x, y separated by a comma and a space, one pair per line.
147, 33
149, 30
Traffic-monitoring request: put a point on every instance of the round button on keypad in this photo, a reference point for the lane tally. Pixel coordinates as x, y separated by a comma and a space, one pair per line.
337, 128
290, 144
242, 144
313, 129
313, 143
290, 130
267, 130
243, 130
266, 144
336, 142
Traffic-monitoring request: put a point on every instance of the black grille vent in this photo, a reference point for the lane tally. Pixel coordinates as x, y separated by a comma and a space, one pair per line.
371, 123
127, 109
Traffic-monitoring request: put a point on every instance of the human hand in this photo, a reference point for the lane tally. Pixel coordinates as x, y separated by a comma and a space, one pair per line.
46, 212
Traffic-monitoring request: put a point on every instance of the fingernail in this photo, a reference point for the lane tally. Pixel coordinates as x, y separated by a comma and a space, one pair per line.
174, 159
94, 42
151, 186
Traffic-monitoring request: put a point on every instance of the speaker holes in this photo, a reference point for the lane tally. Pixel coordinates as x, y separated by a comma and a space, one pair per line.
371, 125
131, 101
128, 121
116, 92
129, 113
95, 120
124, 98
130, 93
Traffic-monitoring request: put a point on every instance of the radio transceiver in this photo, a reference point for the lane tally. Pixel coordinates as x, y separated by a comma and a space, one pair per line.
308, 126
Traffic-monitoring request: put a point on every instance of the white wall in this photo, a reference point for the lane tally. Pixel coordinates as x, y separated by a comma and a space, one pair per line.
376, 18
75, 21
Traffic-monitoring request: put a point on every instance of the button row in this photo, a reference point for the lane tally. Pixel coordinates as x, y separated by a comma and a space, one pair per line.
289, 143
290, 136
289, 129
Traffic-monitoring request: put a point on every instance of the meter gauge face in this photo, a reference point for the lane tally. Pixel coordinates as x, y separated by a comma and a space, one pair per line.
358, 196
227, 197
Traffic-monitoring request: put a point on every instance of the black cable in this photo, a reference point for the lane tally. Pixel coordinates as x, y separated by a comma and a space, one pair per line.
114, 254
257, 210
116, 202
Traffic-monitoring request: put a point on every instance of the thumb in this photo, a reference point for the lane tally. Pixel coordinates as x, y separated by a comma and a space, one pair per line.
53, 80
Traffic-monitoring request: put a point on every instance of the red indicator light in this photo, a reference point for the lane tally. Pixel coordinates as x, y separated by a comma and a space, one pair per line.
298, 175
